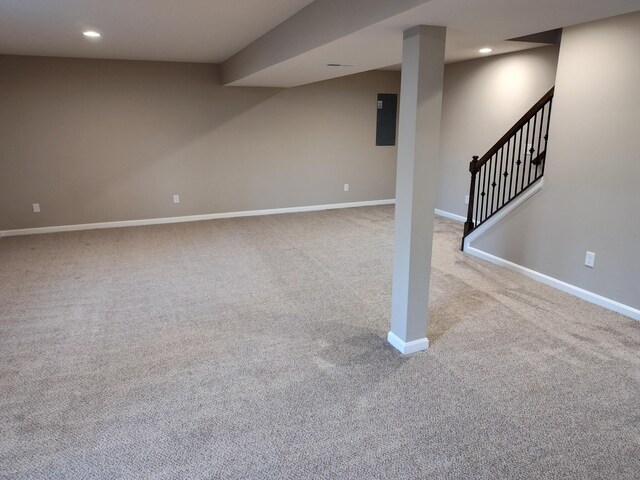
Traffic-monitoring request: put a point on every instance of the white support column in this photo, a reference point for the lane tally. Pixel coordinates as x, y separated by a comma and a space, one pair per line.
416, 184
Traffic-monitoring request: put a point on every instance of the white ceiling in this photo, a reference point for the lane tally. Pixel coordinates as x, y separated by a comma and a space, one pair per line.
171, 30
214, 30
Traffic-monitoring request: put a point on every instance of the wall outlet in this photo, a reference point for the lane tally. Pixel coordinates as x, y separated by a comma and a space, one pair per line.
590, 259
466, 199
36, 208
346, 187
176, 199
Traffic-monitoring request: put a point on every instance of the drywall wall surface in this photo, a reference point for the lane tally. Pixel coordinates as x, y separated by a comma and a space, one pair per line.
102, 140
482, 99
591, 198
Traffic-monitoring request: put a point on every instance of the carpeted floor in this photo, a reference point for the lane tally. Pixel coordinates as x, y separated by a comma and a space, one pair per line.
255, 348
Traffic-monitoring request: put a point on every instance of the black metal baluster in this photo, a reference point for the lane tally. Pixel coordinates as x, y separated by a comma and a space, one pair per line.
478, 196
484, 192
516, 147
540, 140
546, 135
532, 150
486, 189
499, 176
494, 184
513, 181
489, 186
524, 166
503, 173
527, 163
506, 181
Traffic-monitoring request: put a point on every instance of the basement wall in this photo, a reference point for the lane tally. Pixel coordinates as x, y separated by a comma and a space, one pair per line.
591, 197
103, 140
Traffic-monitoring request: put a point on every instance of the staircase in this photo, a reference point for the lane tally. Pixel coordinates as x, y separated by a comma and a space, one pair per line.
510, 167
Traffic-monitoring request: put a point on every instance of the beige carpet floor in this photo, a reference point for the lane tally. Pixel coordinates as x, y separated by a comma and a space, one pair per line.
255, 348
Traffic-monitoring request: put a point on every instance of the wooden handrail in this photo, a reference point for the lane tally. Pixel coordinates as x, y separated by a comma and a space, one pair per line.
512, 131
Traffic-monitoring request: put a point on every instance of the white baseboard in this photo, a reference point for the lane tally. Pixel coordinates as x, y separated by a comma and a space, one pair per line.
407, 348
209, 216
190, 218
452, 216
559, 284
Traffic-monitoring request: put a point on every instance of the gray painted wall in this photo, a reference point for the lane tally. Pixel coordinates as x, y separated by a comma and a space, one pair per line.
100, 140
591, 197
97, 141
482, 99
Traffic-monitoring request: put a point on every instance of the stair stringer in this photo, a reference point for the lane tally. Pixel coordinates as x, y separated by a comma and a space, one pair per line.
502, 213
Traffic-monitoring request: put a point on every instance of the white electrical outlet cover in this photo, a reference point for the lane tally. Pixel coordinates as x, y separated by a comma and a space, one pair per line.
176, 199
346, 187
36, 208
590, 259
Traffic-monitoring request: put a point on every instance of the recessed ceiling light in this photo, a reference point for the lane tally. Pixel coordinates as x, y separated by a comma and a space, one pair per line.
486, 50
91, 34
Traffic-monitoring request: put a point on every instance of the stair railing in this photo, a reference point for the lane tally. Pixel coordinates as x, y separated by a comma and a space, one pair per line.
511, 166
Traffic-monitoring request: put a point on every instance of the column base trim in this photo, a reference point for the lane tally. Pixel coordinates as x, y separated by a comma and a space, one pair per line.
407, 348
